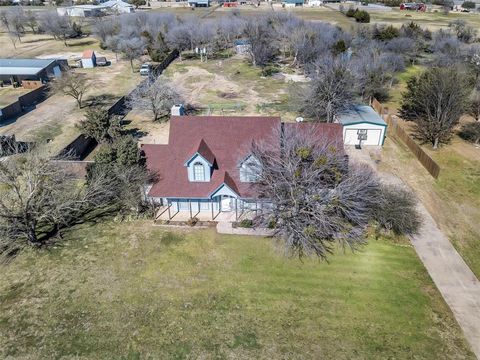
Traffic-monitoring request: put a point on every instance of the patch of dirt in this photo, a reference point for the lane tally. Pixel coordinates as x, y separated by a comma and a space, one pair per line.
294, 78
146, 130
193, 93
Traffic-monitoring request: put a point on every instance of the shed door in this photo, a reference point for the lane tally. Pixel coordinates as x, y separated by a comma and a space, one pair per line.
56, 71
373, 137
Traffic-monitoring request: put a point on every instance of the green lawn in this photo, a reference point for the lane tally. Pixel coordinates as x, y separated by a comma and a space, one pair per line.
453, 199
134, 291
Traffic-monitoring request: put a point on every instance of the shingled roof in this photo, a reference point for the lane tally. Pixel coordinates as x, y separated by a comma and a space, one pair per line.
224, 142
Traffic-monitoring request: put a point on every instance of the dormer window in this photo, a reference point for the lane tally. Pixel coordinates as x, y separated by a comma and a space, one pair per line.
198, 171
249, 169
201, 163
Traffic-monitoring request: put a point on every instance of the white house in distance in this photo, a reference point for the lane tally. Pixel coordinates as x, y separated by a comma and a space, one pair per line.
89, 59
90, 10
362, 126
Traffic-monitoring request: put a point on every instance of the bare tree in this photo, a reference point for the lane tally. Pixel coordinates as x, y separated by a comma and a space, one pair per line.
474, 104
330, 91
464, 32
14, 20
261, 39
57, 26
71, 84
156, 96
31, 21
131, 48
38, 197
316, 199
435, 100
104, 29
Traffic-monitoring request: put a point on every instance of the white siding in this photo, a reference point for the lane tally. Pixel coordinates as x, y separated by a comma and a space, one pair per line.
375, 134
206, 168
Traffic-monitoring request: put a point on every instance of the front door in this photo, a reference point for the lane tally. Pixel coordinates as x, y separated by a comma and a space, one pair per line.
226, 203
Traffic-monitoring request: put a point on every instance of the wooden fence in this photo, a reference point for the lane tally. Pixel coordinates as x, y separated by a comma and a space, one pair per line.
23, 103
395, 129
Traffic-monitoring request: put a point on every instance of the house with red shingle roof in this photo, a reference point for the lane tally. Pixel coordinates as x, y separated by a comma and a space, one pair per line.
207, 166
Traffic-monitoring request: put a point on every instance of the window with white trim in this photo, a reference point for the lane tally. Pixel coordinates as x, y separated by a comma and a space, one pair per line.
198, 172
249, 170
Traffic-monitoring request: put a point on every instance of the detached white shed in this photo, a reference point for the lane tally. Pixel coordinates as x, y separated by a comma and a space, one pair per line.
362, 126
89, 59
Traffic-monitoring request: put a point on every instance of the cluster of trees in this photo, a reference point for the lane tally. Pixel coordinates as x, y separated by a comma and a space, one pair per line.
360, 16
17, 21
320, 200
40, 198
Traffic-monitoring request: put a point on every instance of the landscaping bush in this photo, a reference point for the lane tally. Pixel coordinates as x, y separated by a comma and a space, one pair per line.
245, 223
471, 132
362, 16
396, 210
269, 70
385, 33
192, 221
350, 12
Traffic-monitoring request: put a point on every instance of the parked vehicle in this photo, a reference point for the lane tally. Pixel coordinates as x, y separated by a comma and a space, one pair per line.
102, 61
413, 6
145, 69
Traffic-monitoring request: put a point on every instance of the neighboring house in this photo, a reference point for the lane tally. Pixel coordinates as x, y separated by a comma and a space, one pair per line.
81, 11
89, 59
17, 70
292, 3
207, 166
362, 126
105, 8
199, 3
118, 7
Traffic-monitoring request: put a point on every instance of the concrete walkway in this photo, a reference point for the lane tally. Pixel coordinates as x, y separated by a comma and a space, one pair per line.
456, 282
453, 278
224, 227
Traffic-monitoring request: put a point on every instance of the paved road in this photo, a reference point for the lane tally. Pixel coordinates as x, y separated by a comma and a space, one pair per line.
453, 278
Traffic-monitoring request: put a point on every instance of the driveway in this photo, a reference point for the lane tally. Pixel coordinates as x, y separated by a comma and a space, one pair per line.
453, 278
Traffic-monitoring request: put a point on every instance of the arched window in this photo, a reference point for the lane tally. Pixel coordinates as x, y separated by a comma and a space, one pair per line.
249, 171
198, 172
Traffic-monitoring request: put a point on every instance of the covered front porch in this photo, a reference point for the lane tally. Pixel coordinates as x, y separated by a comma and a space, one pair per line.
219, 208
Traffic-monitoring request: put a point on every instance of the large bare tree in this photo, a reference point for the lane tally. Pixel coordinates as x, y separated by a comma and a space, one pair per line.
71, 84
330, 91
156, 96
317, 200
436, 100
39, 196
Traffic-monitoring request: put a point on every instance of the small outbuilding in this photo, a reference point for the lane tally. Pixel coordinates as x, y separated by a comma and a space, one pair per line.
362, 126
17, 70
292, 3
89, 59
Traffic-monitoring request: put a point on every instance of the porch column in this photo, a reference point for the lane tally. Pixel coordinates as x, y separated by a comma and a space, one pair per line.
236, 209
190, 207
211, 205
168, 207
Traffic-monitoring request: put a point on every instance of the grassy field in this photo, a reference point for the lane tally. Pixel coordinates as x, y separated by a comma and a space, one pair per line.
134, 291
453, 199
430, 20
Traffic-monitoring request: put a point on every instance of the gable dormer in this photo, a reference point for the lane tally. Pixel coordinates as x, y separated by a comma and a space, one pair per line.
249, 168
200, 164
